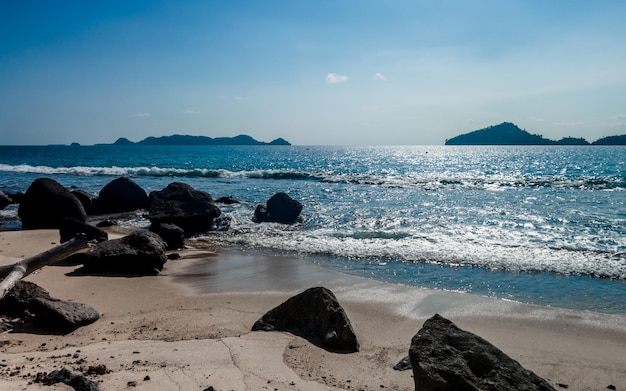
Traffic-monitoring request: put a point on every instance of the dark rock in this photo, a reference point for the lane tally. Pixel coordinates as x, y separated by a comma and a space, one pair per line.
121, 195
226, 200
62, 316
86, 199
5, 200
315, 315
75, 380
16, 197
172, 234
280, 208
46, 202
48, 313
611, 387
444, 357
139, 253
182, 205
69, 228
403, 365
106, 223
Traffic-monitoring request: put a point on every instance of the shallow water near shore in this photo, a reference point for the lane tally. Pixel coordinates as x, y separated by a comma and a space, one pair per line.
541, 225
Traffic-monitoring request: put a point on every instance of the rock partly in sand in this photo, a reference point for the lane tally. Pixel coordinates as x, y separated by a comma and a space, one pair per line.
444, 357
121, 195
75, 380
139, 253
182, 205
172, 234
315, 315
69, 228
46, 202
51, 314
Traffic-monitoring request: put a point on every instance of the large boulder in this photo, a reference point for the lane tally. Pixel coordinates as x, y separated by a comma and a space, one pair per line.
58, 316
281, 208
46, 202
87, 200
121, 195
182, 205
315, 315
5, 200
139, 253
446, 358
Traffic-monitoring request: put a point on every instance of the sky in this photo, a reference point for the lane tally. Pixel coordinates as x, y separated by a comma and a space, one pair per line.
340, 72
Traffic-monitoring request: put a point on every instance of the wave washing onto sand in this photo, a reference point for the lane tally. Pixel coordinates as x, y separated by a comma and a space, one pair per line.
427, 181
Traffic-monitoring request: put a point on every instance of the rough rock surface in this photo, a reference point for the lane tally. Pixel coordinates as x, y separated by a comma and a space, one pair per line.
121, 195
75, 380
444, 357
172, 234
46, 202
69, 228
281, 208
315, 315
86, 199
182, 205
139, 253
47, 312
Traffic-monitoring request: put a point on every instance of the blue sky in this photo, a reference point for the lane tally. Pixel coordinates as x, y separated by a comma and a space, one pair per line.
313, 72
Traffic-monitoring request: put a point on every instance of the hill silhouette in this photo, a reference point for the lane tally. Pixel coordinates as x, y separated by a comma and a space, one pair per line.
178, 139
508, 133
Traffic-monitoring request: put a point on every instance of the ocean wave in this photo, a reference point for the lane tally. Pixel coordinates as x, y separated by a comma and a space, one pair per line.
427, 181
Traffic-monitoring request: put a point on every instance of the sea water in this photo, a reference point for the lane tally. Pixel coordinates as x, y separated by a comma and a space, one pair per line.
543, 225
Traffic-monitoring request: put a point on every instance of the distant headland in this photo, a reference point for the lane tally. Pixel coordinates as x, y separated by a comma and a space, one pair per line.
177, 139
508, 133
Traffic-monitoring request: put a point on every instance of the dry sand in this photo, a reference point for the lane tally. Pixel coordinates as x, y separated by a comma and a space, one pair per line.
189, 328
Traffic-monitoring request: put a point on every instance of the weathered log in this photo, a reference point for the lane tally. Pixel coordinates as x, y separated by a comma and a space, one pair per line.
13, 273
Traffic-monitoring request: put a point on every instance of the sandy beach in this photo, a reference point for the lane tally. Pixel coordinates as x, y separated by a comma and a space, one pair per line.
189, 328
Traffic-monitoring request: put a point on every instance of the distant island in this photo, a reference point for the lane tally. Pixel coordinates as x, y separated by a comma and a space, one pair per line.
199, 140
508, 133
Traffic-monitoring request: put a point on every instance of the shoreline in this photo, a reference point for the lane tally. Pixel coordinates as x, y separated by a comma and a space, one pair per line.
191, 339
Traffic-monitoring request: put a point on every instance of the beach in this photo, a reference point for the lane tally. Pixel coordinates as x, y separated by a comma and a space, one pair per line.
189, 328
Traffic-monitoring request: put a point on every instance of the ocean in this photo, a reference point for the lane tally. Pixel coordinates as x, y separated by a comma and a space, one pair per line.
543, 225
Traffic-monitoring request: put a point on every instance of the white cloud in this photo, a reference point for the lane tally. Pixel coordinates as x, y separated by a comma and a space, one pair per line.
567, 124
620, 116
334, 78
140, 115
380, 76
237, 98
189, 111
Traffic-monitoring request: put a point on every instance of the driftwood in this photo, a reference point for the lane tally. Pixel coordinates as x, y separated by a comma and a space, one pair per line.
13, 273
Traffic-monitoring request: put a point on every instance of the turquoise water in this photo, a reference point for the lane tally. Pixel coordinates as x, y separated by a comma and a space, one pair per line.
544, 225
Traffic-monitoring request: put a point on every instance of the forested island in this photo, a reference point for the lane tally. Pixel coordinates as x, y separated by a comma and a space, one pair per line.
199, 140
508, 133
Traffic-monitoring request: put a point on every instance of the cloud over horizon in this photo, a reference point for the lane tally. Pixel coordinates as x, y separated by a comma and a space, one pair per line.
380, 76
140, 115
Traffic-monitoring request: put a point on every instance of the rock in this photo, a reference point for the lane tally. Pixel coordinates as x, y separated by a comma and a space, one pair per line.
280, 208
16, 197
182, 205
62, 316
444, 357
403, 365
315, 315
86, 199
46, 202
47, 312
139, 253
5, 200
69, 228
172, 234
106, 223
75, 380
121, 195
226, 200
